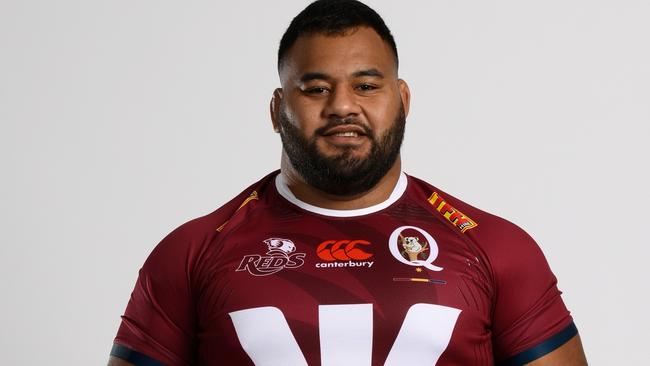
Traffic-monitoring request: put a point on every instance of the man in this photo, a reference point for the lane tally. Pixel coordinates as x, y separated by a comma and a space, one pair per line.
340, 258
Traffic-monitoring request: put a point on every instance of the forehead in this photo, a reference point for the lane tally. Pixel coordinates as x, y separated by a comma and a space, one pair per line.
357, 49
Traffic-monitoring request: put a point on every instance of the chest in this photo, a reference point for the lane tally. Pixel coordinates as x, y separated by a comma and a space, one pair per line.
386, 290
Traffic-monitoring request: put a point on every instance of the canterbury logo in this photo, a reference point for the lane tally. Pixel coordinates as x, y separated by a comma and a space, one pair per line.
344, 250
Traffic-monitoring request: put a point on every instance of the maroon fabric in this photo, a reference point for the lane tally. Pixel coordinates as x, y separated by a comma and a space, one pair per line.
492, 271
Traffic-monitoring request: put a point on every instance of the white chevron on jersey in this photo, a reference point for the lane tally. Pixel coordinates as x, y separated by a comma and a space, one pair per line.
265, 336
424, 335
346, 335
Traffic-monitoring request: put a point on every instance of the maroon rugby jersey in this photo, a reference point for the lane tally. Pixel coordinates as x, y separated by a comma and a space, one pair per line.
420, 279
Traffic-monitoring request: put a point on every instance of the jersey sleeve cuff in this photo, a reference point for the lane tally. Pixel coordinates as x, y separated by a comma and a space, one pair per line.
133, 356
543, 348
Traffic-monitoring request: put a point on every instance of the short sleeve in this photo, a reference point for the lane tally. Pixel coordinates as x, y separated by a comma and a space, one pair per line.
158, 325
529, 316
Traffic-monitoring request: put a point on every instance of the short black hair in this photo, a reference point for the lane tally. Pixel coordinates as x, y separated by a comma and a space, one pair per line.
334, 17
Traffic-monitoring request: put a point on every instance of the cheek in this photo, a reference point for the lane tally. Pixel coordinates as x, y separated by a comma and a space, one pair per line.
306, 117
381, 116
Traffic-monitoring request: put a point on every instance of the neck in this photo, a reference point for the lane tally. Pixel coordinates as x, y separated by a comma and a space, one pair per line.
306, 193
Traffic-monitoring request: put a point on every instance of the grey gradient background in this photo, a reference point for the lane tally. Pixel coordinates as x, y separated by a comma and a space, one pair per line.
121, 120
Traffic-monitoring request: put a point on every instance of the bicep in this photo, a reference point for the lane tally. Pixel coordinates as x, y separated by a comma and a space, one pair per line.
529, 318
158, 322
569, 354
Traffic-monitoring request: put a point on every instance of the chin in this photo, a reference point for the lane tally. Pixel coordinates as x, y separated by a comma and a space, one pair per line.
344, 152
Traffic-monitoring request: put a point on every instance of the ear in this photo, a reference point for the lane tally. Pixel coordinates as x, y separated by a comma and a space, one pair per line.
405, 94
274, 109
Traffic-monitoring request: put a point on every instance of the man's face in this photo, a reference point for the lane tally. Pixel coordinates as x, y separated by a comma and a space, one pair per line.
341, 110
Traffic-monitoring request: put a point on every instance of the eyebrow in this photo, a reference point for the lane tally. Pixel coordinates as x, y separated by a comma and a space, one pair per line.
368, 72
322, 76
313, 76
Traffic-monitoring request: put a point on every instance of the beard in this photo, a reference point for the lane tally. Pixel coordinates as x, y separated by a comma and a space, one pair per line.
346, 173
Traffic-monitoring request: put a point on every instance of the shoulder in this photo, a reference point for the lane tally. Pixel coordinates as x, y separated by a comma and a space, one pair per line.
527, 308
465, 217
499, 238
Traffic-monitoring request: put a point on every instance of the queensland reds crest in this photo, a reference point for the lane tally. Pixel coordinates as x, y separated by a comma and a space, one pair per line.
414, 247
281, 254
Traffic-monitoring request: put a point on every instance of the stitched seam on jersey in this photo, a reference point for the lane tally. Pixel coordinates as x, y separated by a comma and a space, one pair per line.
398, 192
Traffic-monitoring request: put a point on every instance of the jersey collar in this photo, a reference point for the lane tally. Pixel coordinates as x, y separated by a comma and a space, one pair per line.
398, 191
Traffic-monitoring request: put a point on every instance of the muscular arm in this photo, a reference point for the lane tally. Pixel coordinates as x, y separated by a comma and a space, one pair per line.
569, 354
114, 361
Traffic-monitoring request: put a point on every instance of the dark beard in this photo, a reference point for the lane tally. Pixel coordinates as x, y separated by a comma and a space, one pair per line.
343, 174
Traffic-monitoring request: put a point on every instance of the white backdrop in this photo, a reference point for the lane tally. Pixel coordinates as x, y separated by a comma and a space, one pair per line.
121, 120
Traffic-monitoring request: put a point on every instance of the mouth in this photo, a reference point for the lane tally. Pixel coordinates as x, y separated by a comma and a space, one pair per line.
346, 134
345, 131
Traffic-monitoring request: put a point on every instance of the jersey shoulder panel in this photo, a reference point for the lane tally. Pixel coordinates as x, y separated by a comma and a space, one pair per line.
496, 236
527, 307
159, 321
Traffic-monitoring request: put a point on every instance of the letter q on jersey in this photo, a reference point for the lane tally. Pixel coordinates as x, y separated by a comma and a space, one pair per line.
344, 250
431, 243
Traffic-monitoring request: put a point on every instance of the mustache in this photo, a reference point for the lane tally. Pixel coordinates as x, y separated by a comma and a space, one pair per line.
335, 122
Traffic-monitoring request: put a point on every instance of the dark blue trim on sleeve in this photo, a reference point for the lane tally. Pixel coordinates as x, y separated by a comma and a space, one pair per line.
135, 357
543, 348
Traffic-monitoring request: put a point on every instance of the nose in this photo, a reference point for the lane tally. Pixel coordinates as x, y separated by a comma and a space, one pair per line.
342, 103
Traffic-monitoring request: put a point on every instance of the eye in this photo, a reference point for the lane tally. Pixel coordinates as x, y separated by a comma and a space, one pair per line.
316, 90
366, 87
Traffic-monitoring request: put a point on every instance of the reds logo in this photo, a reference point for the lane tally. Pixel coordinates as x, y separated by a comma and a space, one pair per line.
280, 255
